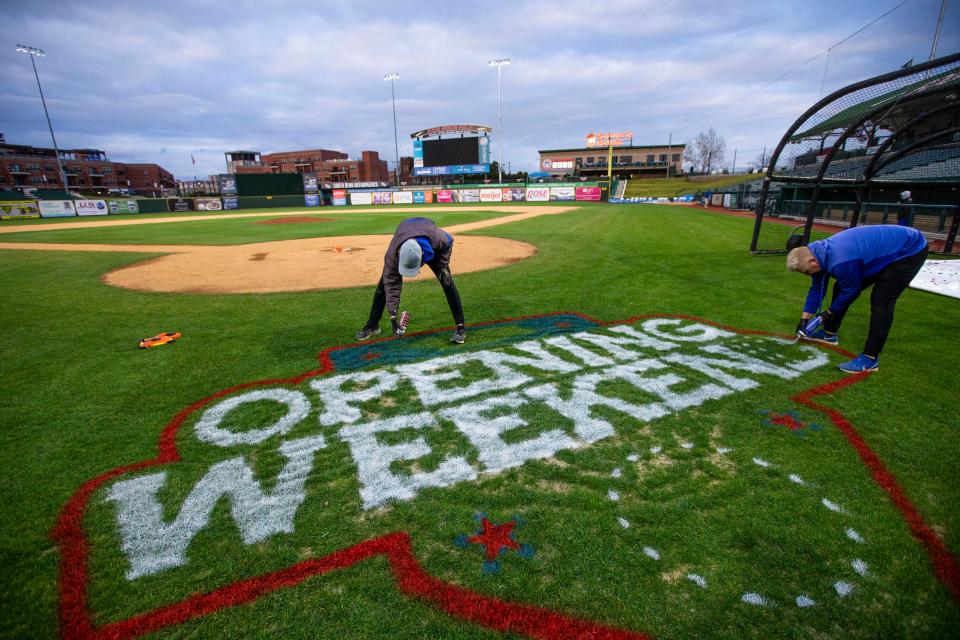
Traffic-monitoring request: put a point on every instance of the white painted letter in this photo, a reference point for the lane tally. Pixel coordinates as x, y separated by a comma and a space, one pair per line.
340, 405
208, 427
151, 545
693, 332
484, 432
378, 483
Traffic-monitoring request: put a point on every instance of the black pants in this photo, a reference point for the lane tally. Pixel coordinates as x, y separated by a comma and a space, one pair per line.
449, 290
887, 287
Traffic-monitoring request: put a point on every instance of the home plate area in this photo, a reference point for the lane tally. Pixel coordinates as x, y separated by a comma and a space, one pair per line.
562, 477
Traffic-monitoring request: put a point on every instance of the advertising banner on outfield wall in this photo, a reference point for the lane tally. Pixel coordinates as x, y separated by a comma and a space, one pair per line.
10, 209
403, 197
310, 183
538, 194
228, 185
123, 206
418, 197
208, 204
491, 195
587, 193
428, 197
57, 208
469, 195
562, 193
339, 197
231, 202
179, 205
514, 194
382, 197
311, 199
364, 197
91, 207
444, 195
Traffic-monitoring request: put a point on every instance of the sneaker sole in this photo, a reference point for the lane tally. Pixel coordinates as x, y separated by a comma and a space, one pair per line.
861, 370
456, 340
819, 340
368, 336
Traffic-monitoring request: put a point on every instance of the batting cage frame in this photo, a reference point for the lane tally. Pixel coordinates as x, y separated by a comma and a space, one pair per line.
844, 156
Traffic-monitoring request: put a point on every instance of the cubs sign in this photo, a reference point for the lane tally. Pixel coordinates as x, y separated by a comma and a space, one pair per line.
263, 485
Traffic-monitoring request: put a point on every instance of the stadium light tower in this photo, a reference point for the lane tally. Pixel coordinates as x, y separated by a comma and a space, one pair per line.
33, 52
396, 146
499, 63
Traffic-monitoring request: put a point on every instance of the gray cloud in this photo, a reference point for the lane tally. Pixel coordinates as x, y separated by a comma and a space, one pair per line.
155, 83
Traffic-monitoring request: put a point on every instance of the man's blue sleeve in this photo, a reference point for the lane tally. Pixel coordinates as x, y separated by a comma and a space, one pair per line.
815, 295
848, 278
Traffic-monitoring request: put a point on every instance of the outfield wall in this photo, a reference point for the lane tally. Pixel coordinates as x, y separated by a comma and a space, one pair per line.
373, 196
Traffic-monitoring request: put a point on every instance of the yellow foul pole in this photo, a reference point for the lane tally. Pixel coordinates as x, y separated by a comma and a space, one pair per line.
610, 162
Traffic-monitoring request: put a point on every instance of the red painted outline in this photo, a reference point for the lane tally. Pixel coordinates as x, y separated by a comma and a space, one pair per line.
411, 579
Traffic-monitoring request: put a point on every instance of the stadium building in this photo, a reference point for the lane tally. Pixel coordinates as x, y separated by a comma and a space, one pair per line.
329, 166
629, 161
87, 171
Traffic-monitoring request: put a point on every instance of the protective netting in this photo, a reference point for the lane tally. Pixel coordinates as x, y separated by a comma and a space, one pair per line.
850, 157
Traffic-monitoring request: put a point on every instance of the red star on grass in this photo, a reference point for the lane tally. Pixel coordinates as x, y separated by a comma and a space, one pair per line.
786, 420
495, 537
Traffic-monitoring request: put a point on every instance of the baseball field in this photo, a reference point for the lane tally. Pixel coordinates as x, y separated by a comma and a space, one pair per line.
628, 445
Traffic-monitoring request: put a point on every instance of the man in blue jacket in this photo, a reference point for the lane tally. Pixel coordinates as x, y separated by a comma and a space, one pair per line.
416, 242
886, 257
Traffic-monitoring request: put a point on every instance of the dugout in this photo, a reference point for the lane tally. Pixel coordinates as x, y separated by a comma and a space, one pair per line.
845, 161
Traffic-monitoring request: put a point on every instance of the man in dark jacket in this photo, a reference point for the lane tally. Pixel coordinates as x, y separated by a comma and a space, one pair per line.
416, 242
886, 257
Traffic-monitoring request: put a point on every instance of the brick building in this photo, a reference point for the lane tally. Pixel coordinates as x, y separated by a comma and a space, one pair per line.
87, 170
329, 166
640, 161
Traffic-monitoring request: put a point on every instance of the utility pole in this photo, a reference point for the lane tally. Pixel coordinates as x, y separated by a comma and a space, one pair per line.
33, 52
396, 145
499, 63
936, 33
669, 148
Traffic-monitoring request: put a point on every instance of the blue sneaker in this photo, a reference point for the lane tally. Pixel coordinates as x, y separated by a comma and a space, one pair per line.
859, 364
819, 335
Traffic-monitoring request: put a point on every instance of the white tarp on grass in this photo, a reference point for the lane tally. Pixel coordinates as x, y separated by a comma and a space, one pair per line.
939, 276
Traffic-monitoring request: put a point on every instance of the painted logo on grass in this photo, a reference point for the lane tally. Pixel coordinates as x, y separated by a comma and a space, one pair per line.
253, 470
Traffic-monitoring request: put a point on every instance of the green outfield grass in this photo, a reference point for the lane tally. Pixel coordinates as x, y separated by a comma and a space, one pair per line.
671, 187
80, 400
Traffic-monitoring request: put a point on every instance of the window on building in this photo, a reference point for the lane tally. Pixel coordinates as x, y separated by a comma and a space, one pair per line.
81, 181
626, 159
590, 160
36, 180
663, 158
675, 157
14, 167
33, 167
145, 172
48, 167
650, 158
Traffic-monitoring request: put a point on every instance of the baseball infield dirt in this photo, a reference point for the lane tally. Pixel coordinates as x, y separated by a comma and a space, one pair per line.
307, 264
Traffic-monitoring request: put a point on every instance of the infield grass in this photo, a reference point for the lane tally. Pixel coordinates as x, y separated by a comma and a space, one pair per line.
79, 399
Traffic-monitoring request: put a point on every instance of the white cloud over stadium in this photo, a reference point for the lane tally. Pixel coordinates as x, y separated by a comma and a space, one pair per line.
157, 83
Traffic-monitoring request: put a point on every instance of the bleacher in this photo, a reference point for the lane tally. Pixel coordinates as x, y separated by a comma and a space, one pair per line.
934, 163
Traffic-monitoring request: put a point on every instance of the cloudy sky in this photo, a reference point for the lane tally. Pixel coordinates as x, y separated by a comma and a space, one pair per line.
159, 81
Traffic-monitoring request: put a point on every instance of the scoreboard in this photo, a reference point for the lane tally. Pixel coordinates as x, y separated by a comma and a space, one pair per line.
434, 155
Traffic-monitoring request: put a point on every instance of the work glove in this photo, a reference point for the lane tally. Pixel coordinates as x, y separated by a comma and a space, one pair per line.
396, 327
